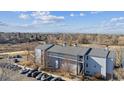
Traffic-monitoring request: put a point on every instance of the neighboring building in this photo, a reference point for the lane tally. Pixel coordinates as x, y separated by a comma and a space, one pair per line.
67, 57
40, 52
110, 65
101, 61
122, 57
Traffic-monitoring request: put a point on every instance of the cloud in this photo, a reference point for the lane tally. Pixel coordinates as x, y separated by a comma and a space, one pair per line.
43, 22
95, 12
23, 16
111, 26
81, 14
117, 19
114, 25
46, 17
72, 14
3, 24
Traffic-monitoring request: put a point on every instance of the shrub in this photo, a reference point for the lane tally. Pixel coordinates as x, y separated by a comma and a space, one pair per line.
98, 76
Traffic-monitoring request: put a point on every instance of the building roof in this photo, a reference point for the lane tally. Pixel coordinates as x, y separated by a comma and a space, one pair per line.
70, 50
44, 47
98, 52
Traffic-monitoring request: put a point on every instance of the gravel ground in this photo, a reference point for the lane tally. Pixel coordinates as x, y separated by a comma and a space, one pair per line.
7, 74
14, 76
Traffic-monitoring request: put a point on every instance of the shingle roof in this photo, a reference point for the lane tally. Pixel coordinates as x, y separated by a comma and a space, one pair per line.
70, 50
98, 52
44, 47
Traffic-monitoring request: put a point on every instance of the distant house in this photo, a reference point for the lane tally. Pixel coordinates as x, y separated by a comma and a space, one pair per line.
100, 60
76, 60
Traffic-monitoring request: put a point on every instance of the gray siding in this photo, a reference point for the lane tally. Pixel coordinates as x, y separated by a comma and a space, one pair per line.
122, 56
63, 64
109, 68
38, 54
52, 62
95, 65
110, 65
123, 62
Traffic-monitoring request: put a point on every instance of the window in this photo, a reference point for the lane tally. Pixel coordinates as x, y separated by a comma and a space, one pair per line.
57, 64
86, 64
87, 57
80, 58
87, 72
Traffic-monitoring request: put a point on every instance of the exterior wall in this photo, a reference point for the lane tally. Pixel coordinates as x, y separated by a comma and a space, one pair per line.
53, 63
109, 68
95, 65
38, 56
63, 64
123, 62
70, 65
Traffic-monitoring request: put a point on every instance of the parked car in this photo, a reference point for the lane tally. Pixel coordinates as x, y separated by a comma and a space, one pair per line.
44, 76
30, 72
48, 78
57, 79
18, 56
24, 71
38, 77
34, 74
16, 60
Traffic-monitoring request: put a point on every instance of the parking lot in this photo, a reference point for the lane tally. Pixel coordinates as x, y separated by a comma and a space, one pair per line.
9, 71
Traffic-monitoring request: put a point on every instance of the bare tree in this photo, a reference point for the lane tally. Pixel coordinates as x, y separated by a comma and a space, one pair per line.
118, 56
66, 67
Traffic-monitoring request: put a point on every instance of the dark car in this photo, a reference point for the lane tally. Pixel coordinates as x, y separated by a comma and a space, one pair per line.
38, 77
18, 56
57, 79
24, 71
34, 74
48, 78
43, 77
16, 60
30, 72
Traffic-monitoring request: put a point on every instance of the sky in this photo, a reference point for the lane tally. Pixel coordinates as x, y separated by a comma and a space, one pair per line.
104, 22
